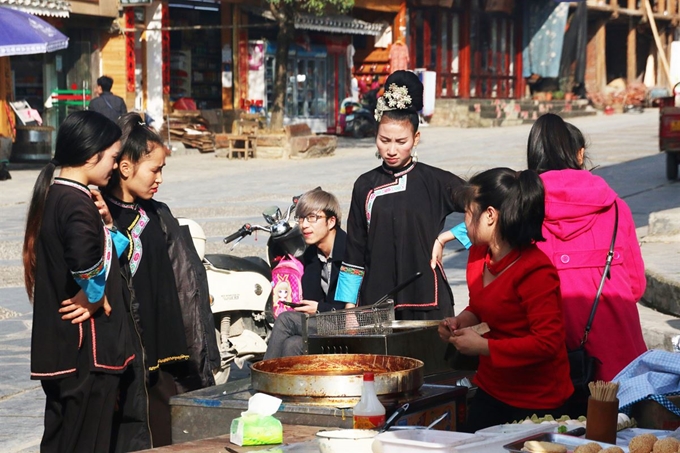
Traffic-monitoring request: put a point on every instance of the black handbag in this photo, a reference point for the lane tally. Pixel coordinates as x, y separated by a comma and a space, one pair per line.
582, 366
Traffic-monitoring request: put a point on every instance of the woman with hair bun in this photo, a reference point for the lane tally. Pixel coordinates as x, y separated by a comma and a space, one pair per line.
514, 288
397, 211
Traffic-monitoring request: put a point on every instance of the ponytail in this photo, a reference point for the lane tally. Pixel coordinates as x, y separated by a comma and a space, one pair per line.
33, 223
523, 210
517, 196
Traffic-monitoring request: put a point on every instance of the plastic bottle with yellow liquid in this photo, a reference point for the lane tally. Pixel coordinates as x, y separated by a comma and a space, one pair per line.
369, 413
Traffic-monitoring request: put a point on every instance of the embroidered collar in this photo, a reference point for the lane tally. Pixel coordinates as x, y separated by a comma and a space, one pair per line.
398, 172
502, 264
74, 184
122, 204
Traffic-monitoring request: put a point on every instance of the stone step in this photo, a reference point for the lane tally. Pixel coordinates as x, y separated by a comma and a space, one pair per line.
664, 226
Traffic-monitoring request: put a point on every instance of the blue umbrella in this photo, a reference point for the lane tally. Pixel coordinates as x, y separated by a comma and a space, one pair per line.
24, 34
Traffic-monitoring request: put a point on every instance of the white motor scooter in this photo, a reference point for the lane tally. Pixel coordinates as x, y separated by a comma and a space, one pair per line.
240, 287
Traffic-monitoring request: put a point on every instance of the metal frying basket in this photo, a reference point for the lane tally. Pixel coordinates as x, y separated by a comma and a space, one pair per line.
376, 319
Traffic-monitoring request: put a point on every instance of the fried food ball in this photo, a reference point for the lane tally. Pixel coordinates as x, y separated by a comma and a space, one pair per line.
612, 450
667, 445
644, 443
590, 447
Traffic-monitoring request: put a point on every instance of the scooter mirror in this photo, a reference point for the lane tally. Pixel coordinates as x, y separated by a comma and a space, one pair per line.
270, 211
272, 215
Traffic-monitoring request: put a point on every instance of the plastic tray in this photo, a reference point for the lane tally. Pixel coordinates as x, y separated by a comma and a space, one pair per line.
517, 430
424, 440
570, 442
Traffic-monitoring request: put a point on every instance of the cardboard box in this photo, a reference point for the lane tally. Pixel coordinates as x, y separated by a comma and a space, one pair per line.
650, 414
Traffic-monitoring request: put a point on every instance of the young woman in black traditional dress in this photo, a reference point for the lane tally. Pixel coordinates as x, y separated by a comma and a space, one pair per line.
170, 306
397, 211
79, 347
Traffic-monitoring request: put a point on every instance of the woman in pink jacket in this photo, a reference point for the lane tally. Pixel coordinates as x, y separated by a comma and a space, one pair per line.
578, 227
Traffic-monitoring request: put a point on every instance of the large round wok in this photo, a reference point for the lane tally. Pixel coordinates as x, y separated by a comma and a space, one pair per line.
336, 375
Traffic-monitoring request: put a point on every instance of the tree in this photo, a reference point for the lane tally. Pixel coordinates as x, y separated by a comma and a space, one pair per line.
284, 12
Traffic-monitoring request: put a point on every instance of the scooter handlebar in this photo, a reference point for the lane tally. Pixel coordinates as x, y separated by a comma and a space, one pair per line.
243, 231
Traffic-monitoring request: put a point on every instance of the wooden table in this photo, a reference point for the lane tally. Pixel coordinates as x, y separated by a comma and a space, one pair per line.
291, 434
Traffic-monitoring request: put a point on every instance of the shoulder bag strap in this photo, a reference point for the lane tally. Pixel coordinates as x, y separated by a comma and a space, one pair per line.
605, 275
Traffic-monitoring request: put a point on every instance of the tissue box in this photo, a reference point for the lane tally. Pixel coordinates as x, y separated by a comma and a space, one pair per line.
256, 430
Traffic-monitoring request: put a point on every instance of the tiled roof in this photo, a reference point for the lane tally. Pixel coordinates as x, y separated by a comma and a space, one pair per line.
54, 8
331, 24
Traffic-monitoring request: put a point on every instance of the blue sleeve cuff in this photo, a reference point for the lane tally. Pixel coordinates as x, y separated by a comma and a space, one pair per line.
120, 241
460, 232
93, 286
349, 283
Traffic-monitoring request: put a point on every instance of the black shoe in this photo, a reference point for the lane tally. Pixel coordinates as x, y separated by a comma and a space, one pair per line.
4, 173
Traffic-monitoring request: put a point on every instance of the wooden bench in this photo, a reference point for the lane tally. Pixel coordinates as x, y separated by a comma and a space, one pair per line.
243, 140
305, 143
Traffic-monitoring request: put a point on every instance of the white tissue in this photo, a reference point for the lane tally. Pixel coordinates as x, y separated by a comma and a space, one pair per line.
262, 404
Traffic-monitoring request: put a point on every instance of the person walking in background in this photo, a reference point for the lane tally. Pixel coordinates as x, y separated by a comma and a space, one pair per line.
578, 228
79, 347
107, 103
396, 213
514, 288
318, 215
169, 299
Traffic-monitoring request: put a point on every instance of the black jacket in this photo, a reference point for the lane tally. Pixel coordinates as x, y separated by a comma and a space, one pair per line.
109, 105
311, 280
194, 299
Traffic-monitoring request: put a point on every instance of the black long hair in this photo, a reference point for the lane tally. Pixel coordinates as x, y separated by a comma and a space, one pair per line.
551, 145
82, 135
519, 198
137, 141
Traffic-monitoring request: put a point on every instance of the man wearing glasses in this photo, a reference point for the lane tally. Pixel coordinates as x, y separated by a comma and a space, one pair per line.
318, 215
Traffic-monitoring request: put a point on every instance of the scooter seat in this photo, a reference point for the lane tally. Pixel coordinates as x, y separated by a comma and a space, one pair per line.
240, 264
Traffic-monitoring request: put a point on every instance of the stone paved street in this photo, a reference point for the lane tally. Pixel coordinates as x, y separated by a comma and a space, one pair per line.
222, 195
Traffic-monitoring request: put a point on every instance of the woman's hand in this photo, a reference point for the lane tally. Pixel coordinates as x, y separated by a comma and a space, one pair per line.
469, 342
79, 309
309, 306
446, 328
103, 208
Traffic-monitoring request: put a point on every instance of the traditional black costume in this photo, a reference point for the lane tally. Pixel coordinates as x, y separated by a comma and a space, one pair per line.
170, 310
394, 219
79, 364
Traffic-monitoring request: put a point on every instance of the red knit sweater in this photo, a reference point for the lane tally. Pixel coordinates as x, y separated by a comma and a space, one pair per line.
527, 366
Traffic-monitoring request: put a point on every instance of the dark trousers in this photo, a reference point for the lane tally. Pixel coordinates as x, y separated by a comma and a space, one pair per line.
143, 418
286, 337
485, 411
79, 411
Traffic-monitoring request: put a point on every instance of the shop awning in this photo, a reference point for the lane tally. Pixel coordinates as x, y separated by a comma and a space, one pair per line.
332, 24
52, 8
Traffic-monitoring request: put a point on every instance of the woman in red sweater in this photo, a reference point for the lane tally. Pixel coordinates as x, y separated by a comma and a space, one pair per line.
514, 288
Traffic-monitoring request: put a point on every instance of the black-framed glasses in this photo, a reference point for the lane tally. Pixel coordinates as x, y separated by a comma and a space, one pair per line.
311, 218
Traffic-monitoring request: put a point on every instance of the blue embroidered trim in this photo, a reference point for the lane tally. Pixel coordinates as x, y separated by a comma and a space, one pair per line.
135, 229
349, 283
